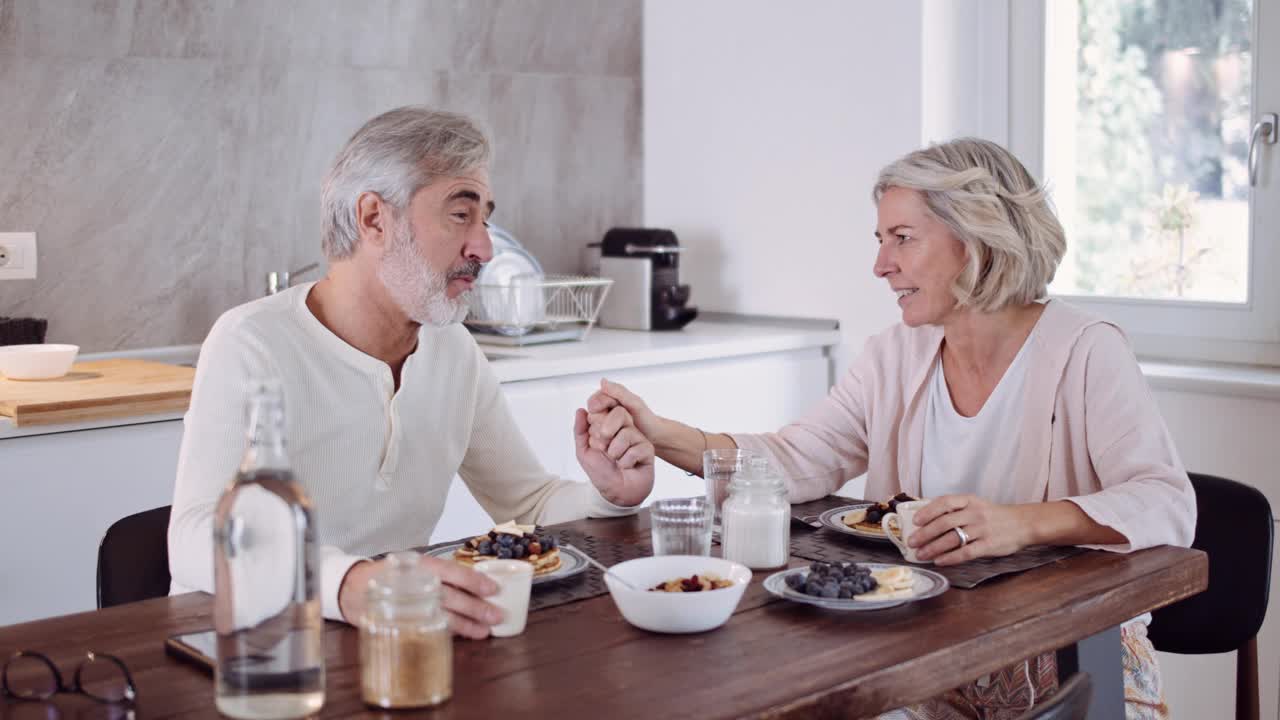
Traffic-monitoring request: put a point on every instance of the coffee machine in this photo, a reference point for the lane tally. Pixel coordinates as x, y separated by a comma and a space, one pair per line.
644, 264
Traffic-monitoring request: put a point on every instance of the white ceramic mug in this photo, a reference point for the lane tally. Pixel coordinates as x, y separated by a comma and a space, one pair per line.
515, 580
906, 516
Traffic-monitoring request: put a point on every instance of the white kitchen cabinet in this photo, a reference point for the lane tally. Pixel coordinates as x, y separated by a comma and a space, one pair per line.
61, 491
749, 394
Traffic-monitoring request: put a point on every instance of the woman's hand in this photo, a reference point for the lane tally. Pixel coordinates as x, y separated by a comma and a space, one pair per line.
614, 407
993, 530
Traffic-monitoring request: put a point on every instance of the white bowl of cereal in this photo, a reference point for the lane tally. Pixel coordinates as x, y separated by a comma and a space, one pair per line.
678, 607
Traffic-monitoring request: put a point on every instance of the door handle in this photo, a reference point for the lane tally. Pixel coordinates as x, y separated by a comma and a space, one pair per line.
1266, 129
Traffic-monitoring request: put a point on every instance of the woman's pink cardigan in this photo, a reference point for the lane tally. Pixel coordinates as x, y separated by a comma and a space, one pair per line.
1092, 433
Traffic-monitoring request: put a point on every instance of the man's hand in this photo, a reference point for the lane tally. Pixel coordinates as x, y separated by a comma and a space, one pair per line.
469, 615
620, 467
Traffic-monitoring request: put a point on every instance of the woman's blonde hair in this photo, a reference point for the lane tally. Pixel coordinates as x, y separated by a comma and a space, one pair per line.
993, 205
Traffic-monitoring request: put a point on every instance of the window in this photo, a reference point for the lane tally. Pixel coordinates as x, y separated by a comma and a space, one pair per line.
1139, 114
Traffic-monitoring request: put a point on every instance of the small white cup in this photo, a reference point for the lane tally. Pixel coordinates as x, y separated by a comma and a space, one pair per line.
515, 580
906, 515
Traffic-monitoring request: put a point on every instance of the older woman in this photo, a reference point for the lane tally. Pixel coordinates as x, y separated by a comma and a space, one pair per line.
1026, 420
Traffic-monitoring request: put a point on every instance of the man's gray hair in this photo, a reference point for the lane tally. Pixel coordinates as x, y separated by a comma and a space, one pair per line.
394, 155
993, 205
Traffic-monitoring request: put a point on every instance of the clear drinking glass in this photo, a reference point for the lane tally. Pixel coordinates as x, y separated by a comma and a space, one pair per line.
719, 467
681, 526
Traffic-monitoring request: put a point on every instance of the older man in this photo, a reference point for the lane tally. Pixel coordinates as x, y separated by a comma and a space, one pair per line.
388, 395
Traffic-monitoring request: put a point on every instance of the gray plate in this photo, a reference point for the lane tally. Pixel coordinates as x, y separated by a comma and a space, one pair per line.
832, 520
927, 584
572, 562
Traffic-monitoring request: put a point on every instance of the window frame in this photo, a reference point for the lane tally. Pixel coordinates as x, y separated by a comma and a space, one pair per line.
1190, 331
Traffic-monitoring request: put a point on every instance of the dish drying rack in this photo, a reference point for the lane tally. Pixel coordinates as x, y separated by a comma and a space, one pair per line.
531, 309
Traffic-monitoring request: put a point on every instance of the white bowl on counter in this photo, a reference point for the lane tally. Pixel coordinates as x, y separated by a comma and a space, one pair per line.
676, 612
36, 362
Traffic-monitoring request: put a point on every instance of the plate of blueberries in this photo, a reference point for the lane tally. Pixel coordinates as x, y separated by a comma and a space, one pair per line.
836, 586
572, 562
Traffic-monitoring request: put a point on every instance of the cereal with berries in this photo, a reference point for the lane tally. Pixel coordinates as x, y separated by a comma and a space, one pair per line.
693, 583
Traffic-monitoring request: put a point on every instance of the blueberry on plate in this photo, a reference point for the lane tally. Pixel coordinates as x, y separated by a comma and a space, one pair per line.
795, 581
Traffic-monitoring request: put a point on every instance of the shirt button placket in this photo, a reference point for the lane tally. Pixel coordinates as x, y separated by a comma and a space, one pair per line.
387, 468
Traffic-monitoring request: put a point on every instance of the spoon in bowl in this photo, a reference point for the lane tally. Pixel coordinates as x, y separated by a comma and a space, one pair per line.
609, 572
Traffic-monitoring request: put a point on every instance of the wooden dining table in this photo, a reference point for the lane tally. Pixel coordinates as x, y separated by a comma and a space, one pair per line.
773, 659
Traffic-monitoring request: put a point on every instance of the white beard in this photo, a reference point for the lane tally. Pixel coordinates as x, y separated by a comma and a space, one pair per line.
421, 292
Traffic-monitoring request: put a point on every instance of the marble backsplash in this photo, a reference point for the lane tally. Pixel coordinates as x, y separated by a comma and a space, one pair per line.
169, 152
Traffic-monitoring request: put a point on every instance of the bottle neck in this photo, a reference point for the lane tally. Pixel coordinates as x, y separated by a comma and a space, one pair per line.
265, 449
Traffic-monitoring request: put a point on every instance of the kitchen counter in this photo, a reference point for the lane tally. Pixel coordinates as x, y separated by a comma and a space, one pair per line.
716, 335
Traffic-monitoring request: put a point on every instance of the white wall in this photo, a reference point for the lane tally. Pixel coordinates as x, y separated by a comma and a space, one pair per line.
1234, 437
964, 81
765, 124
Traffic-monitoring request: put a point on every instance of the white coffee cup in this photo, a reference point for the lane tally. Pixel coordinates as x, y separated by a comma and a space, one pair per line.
906, 517
515, 580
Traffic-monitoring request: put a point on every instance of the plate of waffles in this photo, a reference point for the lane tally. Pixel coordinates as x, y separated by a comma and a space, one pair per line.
856, 586
551, 561
863, 520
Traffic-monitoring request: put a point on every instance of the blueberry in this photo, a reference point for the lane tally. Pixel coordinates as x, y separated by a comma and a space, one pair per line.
518, 551
871, 584
874, 515
813, 587
818, 566
506, 540
795, 581
830, 590
551, 542
486, 548
846, 592
504, 553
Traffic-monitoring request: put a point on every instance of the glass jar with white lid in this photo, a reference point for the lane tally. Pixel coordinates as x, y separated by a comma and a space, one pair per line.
757, 518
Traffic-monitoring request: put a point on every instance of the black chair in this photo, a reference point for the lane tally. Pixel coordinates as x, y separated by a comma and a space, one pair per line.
1234, 526
1069, 702
133, 559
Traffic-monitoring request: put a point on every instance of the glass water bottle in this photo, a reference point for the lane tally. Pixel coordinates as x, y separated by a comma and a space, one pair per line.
267, 612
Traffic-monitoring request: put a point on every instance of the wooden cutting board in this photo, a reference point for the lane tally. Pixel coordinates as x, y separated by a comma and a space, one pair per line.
98, 389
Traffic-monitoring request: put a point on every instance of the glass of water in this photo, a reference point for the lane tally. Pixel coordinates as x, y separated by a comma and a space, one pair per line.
718, 468
681, 526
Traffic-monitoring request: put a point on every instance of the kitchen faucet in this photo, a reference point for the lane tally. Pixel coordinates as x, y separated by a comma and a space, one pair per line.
278, 281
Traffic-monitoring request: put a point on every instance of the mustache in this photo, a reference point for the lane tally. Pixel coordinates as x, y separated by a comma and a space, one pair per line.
470, 269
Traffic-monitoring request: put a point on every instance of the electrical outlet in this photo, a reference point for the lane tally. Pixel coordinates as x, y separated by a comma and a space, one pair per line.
18, 256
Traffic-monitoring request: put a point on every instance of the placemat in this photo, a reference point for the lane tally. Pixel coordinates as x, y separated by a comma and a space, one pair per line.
584, 585
832, 546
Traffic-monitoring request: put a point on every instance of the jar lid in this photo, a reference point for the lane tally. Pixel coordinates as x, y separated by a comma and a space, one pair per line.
403, 579
758, 476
